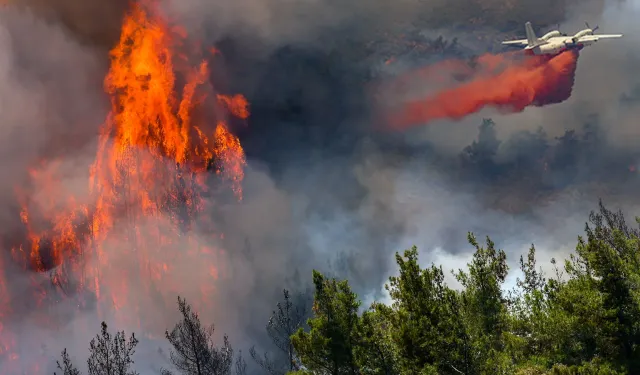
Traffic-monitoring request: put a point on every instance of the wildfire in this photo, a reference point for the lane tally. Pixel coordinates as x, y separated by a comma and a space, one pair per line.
155, 153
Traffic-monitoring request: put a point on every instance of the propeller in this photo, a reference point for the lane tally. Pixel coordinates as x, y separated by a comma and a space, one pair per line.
589, 27
575, 40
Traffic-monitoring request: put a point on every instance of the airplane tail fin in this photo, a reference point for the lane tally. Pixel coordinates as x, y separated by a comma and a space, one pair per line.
532, 39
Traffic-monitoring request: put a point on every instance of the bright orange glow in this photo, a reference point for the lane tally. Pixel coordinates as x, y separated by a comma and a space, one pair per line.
236, 104
155, 151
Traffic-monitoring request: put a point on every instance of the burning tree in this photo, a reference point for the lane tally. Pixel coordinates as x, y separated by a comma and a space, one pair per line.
166, 135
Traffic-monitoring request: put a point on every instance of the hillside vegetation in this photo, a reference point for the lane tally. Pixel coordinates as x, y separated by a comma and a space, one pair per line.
582, 319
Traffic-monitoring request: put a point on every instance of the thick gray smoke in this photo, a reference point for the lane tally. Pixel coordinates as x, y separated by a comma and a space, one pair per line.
323, 189
50, 109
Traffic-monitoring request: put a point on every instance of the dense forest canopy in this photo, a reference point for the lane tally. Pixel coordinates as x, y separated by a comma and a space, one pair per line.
582, 319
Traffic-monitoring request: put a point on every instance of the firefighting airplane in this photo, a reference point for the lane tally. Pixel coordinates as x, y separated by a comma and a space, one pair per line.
555, 42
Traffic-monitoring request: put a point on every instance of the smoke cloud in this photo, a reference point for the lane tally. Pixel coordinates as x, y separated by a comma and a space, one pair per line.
323, 188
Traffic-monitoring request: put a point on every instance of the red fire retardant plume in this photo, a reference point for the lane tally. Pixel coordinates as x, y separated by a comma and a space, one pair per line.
519, 83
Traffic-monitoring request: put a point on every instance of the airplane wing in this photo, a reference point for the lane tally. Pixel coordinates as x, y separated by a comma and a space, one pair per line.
519, 42
595, 38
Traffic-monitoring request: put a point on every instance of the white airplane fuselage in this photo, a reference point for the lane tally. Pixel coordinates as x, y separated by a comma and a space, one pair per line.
554, 42
554, 47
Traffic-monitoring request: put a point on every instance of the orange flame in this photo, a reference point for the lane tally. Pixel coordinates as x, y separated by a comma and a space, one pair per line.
151, 139
154, 154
